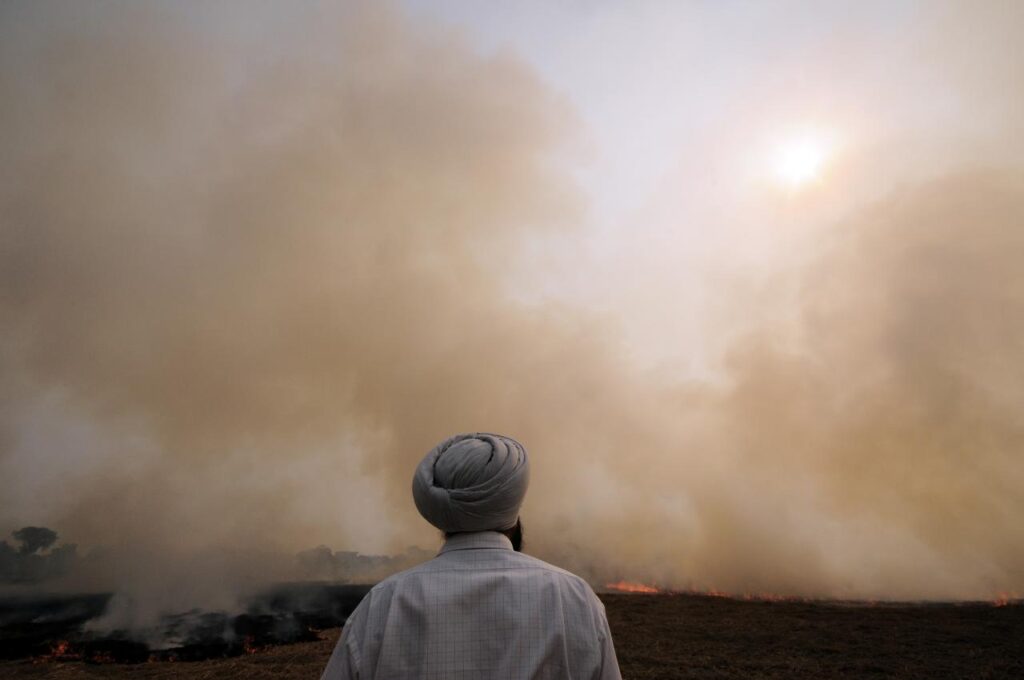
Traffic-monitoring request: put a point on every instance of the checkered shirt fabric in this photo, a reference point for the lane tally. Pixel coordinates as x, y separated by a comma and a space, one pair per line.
478, 610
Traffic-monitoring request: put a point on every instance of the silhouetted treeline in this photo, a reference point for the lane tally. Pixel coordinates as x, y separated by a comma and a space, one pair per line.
322, 564
33, 558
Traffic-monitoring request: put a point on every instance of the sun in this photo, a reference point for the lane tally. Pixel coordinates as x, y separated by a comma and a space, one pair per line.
800, 161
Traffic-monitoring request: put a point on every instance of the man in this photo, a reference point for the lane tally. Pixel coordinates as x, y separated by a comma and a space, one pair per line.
480, 609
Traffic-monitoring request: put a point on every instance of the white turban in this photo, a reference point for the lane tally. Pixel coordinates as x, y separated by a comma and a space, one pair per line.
472, 482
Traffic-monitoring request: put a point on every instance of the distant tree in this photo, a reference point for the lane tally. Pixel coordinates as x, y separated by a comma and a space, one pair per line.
8, 562
34, 539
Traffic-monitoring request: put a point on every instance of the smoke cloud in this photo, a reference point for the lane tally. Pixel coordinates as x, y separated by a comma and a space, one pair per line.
250, 275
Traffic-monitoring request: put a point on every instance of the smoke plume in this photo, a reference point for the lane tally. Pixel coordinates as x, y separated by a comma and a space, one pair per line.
250, 272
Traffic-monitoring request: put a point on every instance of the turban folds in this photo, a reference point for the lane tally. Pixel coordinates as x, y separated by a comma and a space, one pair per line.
472, 482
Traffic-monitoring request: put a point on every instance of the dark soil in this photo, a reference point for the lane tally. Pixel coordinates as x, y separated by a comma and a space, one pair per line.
677, 636
686, 636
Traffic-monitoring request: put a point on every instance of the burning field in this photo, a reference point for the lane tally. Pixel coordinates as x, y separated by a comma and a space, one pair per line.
657, 635
749, 289
60, 628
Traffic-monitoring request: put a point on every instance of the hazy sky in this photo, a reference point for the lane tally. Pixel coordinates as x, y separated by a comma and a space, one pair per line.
743, 277
684, 108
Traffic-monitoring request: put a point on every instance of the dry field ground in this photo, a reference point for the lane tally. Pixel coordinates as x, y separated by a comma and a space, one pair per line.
678, 636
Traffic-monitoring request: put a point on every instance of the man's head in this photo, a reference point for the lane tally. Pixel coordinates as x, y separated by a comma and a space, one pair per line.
472, 482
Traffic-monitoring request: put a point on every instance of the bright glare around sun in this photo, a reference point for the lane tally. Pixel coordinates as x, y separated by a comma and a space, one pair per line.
800, 161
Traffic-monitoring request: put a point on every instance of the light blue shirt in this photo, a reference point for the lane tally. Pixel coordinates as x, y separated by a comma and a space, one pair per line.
478, 610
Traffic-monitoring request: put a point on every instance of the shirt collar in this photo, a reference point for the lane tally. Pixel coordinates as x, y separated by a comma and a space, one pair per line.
476, 540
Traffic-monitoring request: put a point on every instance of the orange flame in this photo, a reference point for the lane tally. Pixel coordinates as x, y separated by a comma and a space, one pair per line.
1004, 599
629, 587
102, 657
250, 645
62, 650
634, 587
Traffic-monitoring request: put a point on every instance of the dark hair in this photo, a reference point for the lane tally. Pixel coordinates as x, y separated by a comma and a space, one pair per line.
514, 534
